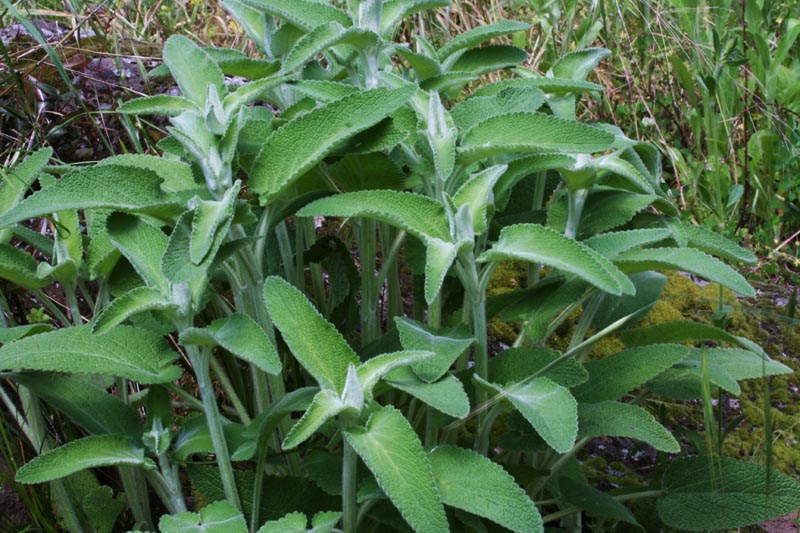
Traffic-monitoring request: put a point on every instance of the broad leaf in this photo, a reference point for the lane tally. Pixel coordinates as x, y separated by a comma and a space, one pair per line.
649, 286
687, 259
209, 218
323, 38
615, 375
314, 341
217, 517
547, 406
193, 70
477, 193
371, 371
88, 452
483, 33
161, 104
131, 303
19, 180
20, 268
447, 345
713, 243
302, 143
537, 244
465, 478
489, 58
473, 111
142, 245
686, 331
446, 395
252, 91
17, 332
577, 65
439, 257
325, 406
241, 336
617, 419
611, 245
395, 10
176, 176
305, 14
194, 436
393, 453
111, 186
419, 215
704, 493
594, 502
556, 86
124, 351
516, 364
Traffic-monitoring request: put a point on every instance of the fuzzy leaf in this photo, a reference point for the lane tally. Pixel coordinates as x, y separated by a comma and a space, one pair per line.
326, 405
577, 65
124, 351
373, 370
324, 37
210, 217
537, 244
161, 104
686, 331
594, 502
110, 186
419, 215
252, 91
476, 36
531, 132
324, 91
393, 453
425, 67
487, 59
17, 332
617, 419
302, 143
19, 180
446, 395
87, 405
193, 70
176, 176
395, 11
617, 374
715, 244
547, 406
465, 478
706, 493
439, 257
649, 286
241, 336
20, 268
516, 364
217, 517
447, 345
142, 244
687, 259
477, 193
131, 303
475, 110
88, 452
314, 341
291, 523
305, 14
556, 86
611, 245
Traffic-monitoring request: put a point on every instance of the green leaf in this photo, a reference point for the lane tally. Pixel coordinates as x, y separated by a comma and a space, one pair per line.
439, 257
556, 86
425, 67
251, 91
611, 245
516, 364
475, 110
302, 143
19, 180
142, 245
240, 335
209, 218
538, 244
687, 259
396, 10
217, 517
193, 70
161, 104
177, 176
17, 332
236, 63
124, 351
314, 341
531, 132
594, 502
477, 193
88, 452
617, 419
110, 186
706, 493
324, 91
326, 405
686, 331
488, 59
715, 244
324, 37
305, 14
291, 523
615, 375
20, 268
446, 344
194, 436
417, 214
131, 303
483, 33
87, 405
577, 65
465, 478
649, 286
547, 406
446, 395
393, 453
373, 370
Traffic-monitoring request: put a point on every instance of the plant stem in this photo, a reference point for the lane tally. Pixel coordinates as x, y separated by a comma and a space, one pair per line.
227, 386
575, 203
349, 505
370, 322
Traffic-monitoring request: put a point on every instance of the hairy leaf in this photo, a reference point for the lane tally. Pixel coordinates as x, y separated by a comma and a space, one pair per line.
686, 331
176, 176
439, 257
193, 70
326, 405
19, 180
594, 502
17, 332
537, 244
447, 344
487, 59
302, 143
371, 371
131, 303
577, 65
617, 419
649, 286
393, 453
161, 104
314, 341
556, 86
305, 14
516, 364
88, 452
475, 110
465, 478
476, 36
325, 37
124, 351
706, 493
611, 245
20, 268
142, 245
477, 193
395, 10
217, 517
713, 243
446, 395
